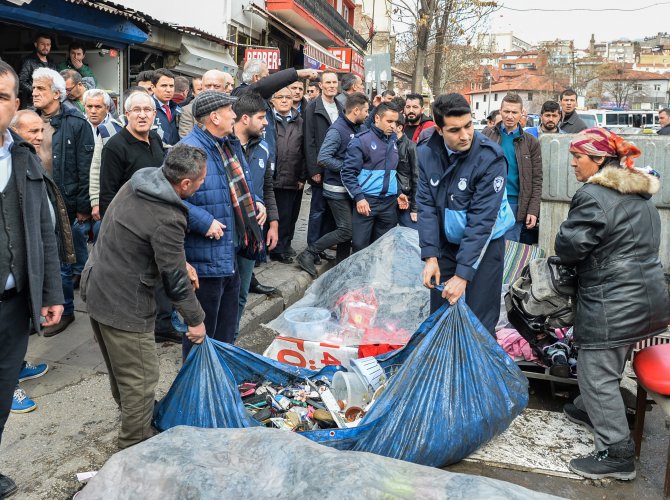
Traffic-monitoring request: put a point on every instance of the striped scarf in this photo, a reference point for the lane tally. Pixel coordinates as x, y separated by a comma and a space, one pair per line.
246, 225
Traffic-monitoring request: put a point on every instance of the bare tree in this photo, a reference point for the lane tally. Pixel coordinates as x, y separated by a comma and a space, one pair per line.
435, 26
620, 91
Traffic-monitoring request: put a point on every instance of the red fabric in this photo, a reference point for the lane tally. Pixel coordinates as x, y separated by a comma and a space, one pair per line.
375, 349
652, 367
168, 113
421, 128
602, 142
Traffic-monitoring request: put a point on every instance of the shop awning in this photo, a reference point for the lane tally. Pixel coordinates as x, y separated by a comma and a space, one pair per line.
194, 60
318, 55
76, 20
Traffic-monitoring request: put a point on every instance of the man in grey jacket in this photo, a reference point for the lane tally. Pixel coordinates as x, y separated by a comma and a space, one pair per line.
131, 256
30, 284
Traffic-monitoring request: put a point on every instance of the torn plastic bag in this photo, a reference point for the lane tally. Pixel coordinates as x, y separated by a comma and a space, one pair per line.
451, 390
378, 287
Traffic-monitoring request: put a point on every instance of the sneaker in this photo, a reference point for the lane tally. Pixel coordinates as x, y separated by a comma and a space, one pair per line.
30, 371
21, 403
7, 486
600, 465
64, 322
577, 416
177, 323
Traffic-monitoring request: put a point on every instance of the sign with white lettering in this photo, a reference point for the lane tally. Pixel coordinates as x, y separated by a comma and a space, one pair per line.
352, 61
269, 56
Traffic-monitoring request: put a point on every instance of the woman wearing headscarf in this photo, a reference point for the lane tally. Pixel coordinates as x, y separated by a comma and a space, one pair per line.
611, 236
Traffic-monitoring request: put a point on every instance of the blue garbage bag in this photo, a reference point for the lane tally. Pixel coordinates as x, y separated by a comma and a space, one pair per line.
453, 389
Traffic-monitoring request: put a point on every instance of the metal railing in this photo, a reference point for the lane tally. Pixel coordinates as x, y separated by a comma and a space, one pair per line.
332, 19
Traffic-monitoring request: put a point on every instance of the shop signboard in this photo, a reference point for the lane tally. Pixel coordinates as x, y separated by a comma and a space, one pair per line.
352, 61
268, 56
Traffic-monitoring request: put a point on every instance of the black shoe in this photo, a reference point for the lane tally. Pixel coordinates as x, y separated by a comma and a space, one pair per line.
290, 252
560, 370
168, 336
306, 261
317, 259
326, 256
64, 322
7, 486
602, 464
262, 289
281, 257
577, 416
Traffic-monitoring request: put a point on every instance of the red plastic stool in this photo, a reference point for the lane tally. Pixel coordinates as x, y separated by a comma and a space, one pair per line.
652, 367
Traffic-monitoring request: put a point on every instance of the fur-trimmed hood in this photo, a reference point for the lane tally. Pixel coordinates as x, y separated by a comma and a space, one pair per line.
627, 181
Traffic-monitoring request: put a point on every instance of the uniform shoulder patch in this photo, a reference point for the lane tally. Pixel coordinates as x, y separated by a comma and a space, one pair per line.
498, 183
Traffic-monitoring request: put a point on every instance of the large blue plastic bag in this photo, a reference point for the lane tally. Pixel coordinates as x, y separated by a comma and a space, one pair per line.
454, 390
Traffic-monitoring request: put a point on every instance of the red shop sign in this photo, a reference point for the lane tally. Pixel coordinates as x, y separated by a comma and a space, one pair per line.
352, 61
269, 56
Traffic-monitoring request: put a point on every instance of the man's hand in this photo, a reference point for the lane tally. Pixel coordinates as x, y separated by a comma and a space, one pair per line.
196, 334
51, 315
413, 216
531, 221
83, 217
215, 230
454, 289
403, 202
262, 214
192, 276
76, 63
377, 100
310, 74
317, 178
95, 212
272, 237
363, 207
431, 273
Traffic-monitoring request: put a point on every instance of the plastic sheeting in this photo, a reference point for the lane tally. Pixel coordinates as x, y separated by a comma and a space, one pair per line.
392, 267
451, 389
189, 463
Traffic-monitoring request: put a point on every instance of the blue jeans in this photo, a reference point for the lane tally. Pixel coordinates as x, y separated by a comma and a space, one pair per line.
514, 233
245, 267
68, 288
80, 237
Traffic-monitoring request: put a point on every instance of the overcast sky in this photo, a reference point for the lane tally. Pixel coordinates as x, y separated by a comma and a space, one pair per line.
534, 26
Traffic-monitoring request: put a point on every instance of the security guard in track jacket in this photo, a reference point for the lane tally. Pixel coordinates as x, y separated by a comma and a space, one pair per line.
463, 211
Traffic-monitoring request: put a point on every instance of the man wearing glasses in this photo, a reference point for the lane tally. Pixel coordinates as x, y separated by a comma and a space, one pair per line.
75, 88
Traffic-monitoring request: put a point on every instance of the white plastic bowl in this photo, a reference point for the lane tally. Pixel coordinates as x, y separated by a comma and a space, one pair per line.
308, 323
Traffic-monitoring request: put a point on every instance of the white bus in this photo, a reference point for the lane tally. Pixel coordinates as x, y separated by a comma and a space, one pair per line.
606, 118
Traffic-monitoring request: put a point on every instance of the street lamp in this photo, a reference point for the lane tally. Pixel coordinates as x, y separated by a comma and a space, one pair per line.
487, 75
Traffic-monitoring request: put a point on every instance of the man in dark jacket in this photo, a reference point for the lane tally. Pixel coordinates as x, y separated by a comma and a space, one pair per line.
167, 111
29, 277
331, 157
297, 89
220, 219
68, 146
524, 165
571, 122
320, 114
408, 177
463, 211
249, 125
131, 256
39, 59
664, 121
369, 175
416, 121
290, 173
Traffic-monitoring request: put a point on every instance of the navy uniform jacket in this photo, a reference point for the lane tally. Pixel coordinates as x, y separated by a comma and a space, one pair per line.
461, 201
370, 165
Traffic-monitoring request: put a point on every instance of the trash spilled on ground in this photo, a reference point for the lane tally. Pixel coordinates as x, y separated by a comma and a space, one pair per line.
451, 366
317, 405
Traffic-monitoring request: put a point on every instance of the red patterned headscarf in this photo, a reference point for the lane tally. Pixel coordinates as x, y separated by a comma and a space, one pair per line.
602, 142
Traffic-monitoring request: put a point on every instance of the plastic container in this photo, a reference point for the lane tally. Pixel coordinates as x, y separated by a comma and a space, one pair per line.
348, 387
370, 371
308, 323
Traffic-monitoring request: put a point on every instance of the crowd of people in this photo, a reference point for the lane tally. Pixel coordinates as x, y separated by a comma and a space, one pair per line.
192, 184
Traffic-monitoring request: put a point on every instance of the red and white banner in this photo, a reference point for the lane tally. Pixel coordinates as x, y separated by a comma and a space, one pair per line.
352, 61
269, 56
309, 354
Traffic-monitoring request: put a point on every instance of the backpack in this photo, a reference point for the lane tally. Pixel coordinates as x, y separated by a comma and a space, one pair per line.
541, 300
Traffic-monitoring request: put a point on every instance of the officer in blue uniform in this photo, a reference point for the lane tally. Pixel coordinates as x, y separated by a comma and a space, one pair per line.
463, 211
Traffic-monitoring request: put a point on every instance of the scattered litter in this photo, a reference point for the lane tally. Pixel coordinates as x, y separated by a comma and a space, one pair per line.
83, 477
